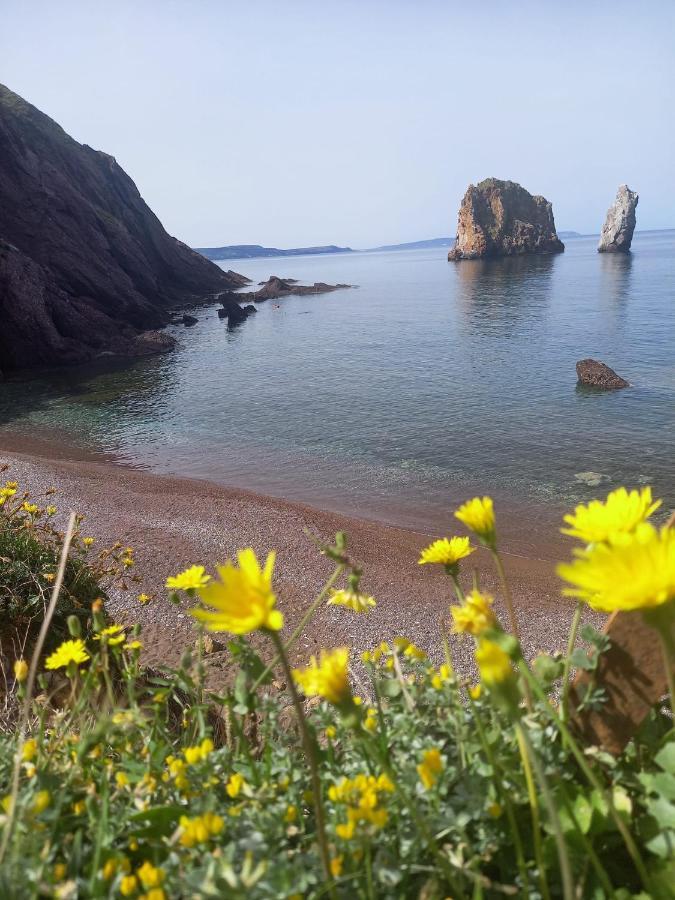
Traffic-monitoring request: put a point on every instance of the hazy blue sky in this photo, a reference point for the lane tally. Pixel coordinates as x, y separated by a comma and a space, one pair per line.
359, 123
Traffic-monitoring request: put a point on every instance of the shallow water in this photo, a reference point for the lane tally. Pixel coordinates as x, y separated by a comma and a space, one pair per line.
395, 399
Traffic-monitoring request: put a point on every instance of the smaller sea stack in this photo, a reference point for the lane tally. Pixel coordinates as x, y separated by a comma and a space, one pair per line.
501, 218
617, 232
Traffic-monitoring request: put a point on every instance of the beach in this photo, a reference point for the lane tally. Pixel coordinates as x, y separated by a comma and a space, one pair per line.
174, 522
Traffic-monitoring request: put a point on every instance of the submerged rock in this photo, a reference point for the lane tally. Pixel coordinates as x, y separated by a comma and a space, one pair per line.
275, 288
598, 375
617, 232
592, 479
189, 320
501, 218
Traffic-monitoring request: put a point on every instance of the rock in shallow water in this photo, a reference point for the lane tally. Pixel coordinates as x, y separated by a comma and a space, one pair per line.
617, 232
501, 218
598, 375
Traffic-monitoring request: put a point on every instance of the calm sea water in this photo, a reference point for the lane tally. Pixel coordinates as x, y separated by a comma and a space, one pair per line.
429, 381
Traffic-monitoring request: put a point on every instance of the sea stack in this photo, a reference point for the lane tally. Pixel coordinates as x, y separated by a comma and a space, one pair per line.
617, 232
501, 218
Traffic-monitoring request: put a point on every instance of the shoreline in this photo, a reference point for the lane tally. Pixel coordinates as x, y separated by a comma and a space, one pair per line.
174, 521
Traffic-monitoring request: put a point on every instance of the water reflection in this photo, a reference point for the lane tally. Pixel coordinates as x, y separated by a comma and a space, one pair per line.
615, 279
502, 292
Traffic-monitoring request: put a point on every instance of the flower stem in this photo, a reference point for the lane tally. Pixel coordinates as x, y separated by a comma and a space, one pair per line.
593, 779
513, 620
301, 624
571, 641
310, 754
534, 812
561, 846
668, 651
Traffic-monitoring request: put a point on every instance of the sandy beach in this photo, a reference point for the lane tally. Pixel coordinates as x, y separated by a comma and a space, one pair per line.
174, 522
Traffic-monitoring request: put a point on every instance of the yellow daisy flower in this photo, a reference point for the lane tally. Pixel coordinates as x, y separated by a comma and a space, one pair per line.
353, 600
243, 600
430, 767
189, 580
494, 664
474, 615
113, 634
446, 551
69, 651
478, 515
633, 572
620, 513
328, 678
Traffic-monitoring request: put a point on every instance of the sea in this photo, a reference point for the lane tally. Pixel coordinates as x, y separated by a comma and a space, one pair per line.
423, 384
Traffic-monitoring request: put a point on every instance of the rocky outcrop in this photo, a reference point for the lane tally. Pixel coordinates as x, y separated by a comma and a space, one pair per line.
275, 288
501, 218
598, 375
85, 265
617, 232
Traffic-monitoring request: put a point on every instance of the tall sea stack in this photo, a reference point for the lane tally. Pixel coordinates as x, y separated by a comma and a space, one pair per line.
617, 232
501, 218
86, 268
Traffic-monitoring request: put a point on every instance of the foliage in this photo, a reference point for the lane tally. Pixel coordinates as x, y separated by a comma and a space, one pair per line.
426, 787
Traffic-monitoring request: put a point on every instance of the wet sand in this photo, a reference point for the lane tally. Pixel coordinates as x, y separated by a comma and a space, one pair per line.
173, 522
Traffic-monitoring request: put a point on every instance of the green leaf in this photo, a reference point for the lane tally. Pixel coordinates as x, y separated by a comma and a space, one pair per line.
663, 811
666, 758
663, 844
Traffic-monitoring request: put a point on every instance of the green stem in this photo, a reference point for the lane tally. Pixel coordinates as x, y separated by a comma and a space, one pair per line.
561, 846
668, 661
593, 779
508, 599
534, 812
301, 625
571, 641
458, 587
310, 754
503, 795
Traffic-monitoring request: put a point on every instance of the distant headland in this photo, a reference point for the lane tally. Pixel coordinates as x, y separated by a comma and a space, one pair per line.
257, 251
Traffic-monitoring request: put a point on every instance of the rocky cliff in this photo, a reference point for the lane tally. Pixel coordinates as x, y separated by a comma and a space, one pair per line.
501, 218
617, 232
85, 265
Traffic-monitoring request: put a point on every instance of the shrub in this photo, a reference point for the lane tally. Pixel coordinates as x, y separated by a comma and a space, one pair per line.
429, 786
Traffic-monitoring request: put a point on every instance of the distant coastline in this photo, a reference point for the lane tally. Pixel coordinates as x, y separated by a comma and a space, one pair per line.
257, 251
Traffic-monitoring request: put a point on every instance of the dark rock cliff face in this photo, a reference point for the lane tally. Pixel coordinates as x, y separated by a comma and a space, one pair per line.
501, 218
85, 265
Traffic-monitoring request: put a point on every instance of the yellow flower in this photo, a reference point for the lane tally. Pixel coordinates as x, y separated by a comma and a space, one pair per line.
128, 885
495, 810
353, 600
121, 779
189, 580
478, 515
41, 802
328, 678
155, 894
29, 751
345, 830
88, 541
234, 784
20, 670
370, 722
243, 599
113, 634
291, 813
69, 651
475, 691
430, 767
30, 508
336, 866
620, 513
474, 615
144, 598
149, 875
438, 679
331, 732
447, 552
407, 648
59, 871
200, 829
51, 510
198, 753
634, 571
494, 664
79, 807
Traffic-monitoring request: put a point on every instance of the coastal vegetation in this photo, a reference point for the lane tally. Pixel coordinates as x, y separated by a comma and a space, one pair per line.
117, 781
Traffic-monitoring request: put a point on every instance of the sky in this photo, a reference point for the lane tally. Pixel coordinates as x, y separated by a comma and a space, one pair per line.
357, 122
